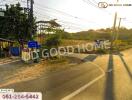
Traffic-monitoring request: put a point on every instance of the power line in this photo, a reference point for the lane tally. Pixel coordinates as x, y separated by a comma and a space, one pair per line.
94, 1
52, 14
60, 21
63, 21
62, 13
68, 24
90, 3
127, 20
95, 5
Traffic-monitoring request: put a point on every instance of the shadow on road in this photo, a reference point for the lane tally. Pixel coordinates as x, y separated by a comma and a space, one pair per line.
125, 64
90, 58
109, 89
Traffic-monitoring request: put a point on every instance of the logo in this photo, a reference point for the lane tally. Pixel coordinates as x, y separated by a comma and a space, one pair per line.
102, 5
105, 5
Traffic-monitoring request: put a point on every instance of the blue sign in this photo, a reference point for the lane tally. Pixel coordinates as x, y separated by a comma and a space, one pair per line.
38, 46
32, 44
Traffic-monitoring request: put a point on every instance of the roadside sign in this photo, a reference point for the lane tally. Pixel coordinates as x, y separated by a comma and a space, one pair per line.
26, 55
2, 14
32, 44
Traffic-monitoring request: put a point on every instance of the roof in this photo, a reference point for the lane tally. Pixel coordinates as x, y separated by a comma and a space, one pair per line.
51, 22
1, 39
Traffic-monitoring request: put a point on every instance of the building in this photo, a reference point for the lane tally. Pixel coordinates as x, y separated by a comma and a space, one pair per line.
5, 47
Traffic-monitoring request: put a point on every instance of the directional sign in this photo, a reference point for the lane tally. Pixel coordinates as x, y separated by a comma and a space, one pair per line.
32, 44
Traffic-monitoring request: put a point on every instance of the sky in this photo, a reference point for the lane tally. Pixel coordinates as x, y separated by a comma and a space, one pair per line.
81, 15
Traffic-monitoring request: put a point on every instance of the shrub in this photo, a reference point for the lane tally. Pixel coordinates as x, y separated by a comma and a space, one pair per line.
53, 41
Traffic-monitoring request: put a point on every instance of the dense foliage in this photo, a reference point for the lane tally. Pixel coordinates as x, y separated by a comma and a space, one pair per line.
53, 41
15, 24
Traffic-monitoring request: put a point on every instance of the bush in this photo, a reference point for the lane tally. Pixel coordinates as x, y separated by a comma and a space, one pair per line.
102, 51
53, 41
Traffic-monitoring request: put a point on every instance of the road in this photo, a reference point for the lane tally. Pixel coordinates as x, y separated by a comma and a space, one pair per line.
57, 85
98, 77
8, 68
117, 83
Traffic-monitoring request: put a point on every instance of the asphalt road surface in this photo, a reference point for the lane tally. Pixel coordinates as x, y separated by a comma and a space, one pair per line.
58, 85
106, 77
8, 68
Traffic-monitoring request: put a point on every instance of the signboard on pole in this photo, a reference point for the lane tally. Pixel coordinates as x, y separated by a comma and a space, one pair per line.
32, 44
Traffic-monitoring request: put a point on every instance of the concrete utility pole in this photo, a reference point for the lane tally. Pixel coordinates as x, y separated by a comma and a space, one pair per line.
114, 26
114, 29
28, 8
31, 10
117, 34
30, 14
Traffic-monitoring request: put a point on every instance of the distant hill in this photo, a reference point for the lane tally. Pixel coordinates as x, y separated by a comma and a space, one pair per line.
124, 34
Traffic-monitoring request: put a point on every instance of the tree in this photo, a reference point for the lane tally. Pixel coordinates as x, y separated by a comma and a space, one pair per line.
15, 24
54, 39
52, 27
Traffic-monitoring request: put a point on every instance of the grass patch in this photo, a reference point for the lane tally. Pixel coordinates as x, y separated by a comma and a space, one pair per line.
57, 60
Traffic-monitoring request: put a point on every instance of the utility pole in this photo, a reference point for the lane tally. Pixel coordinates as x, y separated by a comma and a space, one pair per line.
114, 26
30, 15
31, 10
28, 8
114, 29
117, 34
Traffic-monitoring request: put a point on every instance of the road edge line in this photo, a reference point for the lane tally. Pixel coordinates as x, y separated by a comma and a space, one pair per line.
9, 62
85, 86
